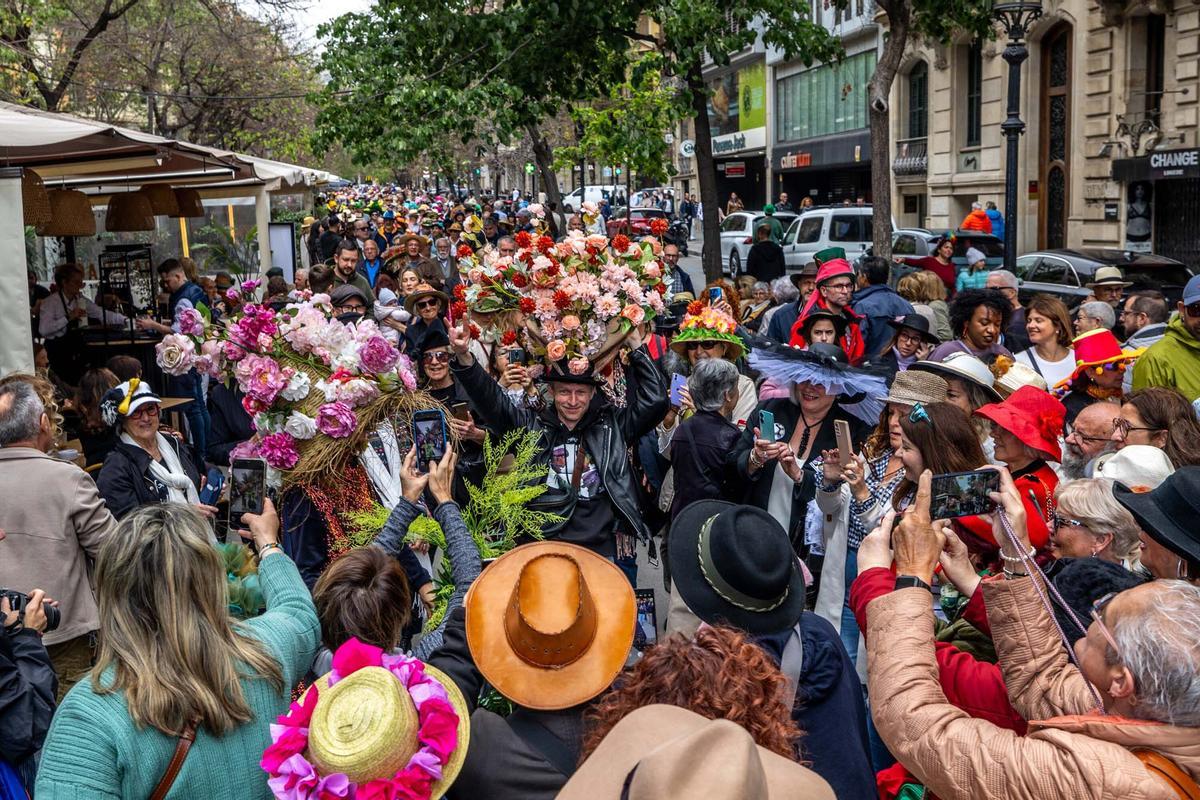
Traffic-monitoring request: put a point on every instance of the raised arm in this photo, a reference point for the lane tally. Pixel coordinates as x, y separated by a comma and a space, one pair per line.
648, 400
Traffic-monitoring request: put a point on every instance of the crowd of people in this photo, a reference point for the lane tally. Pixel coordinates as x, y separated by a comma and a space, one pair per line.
918, 538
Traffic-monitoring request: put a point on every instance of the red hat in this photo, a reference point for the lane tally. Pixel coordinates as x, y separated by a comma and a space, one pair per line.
832, 268
1095, 349
1033, 416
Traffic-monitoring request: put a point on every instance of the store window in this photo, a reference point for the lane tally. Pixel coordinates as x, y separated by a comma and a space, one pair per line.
825, 100
974, 94
918, 101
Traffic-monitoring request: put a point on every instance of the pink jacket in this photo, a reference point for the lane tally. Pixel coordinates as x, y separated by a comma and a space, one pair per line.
1070, 750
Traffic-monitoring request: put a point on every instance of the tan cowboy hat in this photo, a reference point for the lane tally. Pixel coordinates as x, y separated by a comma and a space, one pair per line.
550, 624
663, 752
403, 240
421, 292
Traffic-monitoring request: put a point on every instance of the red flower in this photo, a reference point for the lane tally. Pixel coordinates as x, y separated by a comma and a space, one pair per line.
524, 239
519, 280
509, 337
458, 308
561, 299
465, 251
695, 308
460, 291
620, 243
545, 244
658, 226
526, 305
476, 331
661, 288
552, 270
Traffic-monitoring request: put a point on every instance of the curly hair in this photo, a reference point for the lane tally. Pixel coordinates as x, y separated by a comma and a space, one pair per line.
963, 306
732, 295
720, 675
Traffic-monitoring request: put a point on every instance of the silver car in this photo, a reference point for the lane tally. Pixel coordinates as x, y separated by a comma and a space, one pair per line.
737, 234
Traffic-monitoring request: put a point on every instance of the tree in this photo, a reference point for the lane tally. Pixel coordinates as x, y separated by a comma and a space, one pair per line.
410, 74
937, 20
693, 30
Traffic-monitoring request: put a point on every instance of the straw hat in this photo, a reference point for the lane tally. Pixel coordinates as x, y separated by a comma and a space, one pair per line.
550, 624
663, 752
912, 386
1018, 375
709, 325
1108, 276
963, 366
420, 293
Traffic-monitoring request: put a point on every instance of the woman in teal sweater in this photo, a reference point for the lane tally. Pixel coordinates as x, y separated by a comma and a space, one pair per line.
170, 654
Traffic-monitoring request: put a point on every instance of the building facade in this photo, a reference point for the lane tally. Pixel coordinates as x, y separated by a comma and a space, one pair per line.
1111, 100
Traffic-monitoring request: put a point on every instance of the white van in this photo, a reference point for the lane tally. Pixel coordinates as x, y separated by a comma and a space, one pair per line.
848, 227
594, 194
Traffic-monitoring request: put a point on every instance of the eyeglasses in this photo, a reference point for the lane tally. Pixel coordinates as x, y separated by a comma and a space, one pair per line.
1066, 522
144, 411
919, 414
1075, 434
840, 287
426, 304
1193, 310
354, 308
436, 357
1098, 615
1122, 427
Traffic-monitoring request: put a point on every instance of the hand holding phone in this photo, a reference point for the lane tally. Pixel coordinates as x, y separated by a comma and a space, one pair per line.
766, 425
714, 295
841, 430
247, 488
963, 494
214, 484
678, 383
429, 436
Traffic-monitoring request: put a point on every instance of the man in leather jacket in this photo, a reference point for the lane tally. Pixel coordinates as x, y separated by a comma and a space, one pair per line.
608, 499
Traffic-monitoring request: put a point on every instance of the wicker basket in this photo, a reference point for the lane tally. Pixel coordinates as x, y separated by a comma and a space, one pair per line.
70, 214
162, 199
187, 202
129, 212
35, 201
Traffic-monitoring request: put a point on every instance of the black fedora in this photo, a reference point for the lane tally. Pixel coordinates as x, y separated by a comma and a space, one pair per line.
734, 565
560, 372
917, 323
1168, 514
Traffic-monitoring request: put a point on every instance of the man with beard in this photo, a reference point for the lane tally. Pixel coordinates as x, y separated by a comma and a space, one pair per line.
1088, 439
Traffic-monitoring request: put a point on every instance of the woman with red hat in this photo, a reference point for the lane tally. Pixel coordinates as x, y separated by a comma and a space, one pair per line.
1100, 366
835, 286
1025, 429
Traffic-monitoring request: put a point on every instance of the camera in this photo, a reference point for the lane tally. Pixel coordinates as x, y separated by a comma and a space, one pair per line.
17, 601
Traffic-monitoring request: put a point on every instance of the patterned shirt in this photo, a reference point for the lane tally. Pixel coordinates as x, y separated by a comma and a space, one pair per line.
880, 486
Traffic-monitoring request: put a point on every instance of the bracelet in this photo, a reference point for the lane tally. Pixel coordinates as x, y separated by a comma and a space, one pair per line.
1010, 575
1019, 559
262, 551
755, 461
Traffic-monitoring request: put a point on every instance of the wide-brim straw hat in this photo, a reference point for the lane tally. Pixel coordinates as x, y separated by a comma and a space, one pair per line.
1108, 276
550, 624
403, 240
963, 366
421, 292
365, 726
913, 386
663, 752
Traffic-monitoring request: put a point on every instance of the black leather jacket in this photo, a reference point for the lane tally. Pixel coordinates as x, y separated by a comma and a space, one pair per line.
607, 431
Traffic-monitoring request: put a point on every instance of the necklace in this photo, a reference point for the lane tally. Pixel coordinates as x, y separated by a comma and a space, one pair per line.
802, 445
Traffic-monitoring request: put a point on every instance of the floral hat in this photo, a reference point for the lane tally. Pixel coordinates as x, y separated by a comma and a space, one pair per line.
703, 323
377, 725
1097, 349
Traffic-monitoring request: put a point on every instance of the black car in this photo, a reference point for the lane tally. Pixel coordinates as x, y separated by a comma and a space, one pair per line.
1066, 273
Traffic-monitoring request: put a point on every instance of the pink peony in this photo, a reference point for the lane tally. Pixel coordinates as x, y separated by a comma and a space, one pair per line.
233, 351
191, 323
578, 366
336, 420
246, 449
176, 354
607, 306
263, 378
407, 374
378, 355
555, 349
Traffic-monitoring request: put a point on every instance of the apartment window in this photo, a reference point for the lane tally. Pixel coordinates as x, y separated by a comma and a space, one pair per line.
826, 100
1155, 66
918, 101
974, 93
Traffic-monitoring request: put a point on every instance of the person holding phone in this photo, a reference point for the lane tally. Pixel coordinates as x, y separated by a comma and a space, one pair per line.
509, 366
27, 686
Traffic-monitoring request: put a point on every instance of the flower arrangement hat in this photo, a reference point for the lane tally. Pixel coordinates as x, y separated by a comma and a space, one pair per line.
124, 399
1099, 350
376, 726
703, 323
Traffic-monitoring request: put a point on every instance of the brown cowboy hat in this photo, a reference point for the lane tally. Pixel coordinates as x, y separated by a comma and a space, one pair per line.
403, 240
550, 624
420, 293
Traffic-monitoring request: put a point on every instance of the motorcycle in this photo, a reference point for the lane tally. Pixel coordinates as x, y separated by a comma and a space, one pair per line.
677, 234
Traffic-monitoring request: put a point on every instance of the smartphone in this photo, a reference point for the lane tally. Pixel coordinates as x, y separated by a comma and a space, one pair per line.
646, 630
429, 436
714, 295
517, 356
247, 487
677, 384
963, 494
766, 425
461, 411
403, 430
841, 430
212, 487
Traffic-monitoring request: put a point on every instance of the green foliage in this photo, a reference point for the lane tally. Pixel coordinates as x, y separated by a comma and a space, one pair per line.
224, 252
365, 525
498, 515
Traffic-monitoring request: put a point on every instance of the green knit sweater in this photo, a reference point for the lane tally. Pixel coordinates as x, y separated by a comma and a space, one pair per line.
95, 751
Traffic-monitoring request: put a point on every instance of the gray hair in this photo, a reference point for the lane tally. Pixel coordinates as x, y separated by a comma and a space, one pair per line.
1006, 279
784, 291
1091, 502
1101, 311
977, 206
760, 285
1159, 647
711, 382
503, 239
20, 413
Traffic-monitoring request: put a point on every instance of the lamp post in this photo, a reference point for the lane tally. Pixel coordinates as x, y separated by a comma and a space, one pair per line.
1016, 17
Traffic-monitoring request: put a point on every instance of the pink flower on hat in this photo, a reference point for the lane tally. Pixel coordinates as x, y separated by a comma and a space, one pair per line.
336, 420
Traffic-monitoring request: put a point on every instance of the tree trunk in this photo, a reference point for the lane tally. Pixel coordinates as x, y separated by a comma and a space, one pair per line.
706, 175
899, 15
544, 156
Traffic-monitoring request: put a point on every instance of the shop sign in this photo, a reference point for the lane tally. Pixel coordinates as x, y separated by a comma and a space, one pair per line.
795, 160
687, 148
1175, 164
737, 142
735, 169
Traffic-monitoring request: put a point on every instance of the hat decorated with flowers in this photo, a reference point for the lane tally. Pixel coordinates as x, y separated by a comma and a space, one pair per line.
703, 323
377, 725
1098, 350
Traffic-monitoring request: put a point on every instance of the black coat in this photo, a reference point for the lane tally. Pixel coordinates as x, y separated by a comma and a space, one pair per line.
699, 453
765, 261
125, 481
607, 431
230, 425
28, 686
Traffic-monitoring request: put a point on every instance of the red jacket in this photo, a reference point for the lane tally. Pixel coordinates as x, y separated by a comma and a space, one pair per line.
976, 687
976, 221
852, 342
944, 271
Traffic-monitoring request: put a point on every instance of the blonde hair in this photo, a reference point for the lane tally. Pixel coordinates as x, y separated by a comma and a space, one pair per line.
165, 628
1091, 501
921, 286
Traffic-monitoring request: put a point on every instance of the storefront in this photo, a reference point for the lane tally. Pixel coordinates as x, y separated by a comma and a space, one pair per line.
737, 116
830, 170
741, 165
1162, 203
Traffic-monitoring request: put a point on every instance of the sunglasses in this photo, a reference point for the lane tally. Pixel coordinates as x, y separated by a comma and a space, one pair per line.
919, 414
1193, 310
1123, 427
426, 303
436, 357
1060, 521
1098, 615
690, 346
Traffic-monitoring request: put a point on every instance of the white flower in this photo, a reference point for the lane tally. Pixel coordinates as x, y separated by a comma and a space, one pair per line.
297, 388
300, 426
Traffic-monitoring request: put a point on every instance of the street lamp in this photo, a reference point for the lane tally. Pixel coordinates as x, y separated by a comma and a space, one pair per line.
1016, 17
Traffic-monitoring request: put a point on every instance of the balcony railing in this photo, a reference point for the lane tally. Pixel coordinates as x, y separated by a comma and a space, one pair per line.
911, 158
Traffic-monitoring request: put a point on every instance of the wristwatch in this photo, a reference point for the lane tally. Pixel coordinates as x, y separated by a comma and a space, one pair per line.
911, 581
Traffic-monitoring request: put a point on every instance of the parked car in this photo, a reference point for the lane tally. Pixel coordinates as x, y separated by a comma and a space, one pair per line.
848, 227
594, 193
919, 242
737, 234
639, 221
1065, 273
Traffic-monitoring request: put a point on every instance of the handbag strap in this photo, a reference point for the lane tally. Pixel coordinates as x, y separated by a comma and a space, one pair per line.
577, 470
186, 738
543, 741
1159, 765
